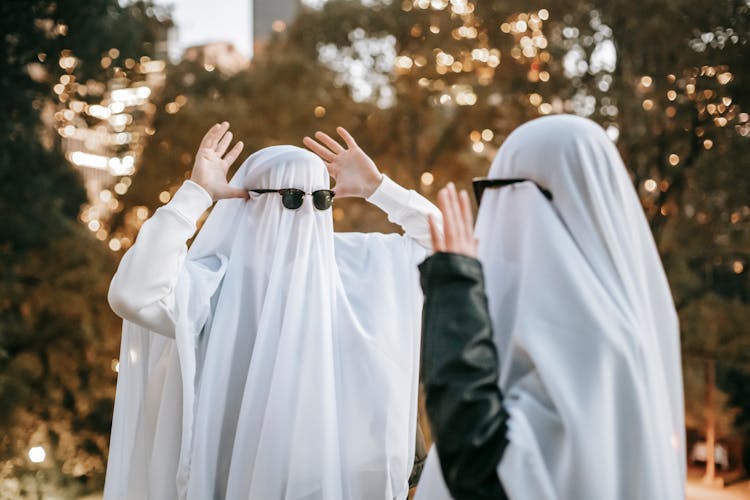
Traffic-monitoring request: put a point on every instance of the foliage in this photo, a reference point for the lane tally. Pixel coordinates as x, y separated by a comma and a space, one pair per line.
57, 335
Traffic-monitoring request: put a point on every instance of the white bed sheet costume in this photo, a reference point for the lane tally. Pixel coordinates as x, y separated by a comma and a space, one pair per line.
584, 323
274, 359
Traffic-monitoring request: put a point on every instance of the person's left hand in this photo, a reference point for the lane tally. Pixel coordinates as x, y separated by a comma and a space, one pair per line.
458, 224
354, 172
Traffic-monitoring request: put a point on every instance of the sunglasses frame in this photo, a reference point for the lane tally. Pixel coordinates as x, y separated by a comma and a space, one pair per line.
481, 183
294, 191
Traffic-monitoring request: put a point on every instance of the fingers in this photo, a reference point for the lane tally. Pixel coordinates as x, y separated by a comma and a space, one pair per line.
348, 139
438, 245
216, 134
233, 154
467, 216
223, 144
319, 150
329, 141
458, 221
206, 142
449, 226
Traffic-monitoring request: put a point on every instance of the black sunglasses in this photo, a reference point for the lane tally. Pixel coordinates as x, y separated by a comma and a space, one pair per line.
292, 198
480, 184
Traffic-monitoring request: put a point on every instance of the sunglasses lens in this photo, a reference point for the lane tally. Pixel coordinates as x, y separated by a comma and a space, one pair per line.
322, 199
292, 198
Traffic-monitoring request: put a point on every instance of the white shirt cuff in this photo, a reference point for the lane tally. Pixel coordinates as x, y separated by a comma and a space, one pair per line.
191, 200
390, 196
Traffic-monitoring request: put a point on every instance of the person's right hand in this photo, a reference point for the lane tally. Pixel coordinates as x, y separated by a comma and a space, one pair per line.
210, 169
458, 224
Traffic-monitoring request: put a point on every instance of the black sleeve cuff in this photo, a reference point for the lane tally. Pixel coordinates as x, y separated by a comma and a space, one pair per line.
446, 267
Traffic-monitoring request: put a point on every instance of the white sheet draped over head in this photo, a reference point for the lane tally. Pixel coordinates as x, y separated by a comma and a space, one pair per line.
298, 349
584, 322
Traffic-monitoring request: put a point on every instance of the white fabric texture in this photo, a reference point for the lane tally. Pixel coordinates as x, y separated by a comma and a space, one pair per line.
584, 322
298, 348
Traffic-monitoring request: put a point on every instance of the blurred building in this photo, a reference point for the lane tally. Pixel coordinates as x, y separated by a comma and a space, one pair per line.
223, 56
271, 16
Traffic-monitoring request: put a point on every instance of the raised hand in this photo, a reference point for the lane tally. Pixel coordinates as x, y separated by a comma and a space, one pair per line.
355, 173
210, 169
458, 224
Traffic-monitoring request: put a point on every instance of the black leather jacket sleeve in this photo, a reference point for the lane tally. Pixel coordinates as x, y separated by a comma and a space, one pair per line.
460, 376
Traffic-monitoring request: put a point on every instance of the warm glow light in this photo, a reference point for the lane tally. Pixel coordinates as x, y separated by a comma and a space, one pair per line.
724, 78
37, 454
164, 196
738, 267
88, 160
478, 147
319, 111
674, 159
153, 66
116, 107
130, 96
404, 62
121, 166
98, 111
427, 179
650, 185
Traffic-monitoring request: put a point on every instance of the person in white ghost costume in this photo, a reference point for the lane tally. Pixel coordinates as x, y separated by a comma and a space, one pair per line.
274, 359
559, 378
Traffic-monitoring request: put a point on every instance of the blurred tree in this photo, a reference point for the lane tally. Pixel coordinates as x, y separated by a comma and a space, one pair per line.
431, 88
57, 335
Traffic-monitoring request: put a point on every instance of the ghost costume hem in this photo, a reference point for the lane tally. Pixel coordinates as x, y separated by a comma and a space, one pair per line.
306, 387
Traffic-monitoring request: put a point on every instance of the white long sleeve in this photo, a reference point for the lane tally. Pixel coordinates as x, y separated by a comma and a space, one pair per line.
407, 208
142, 290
